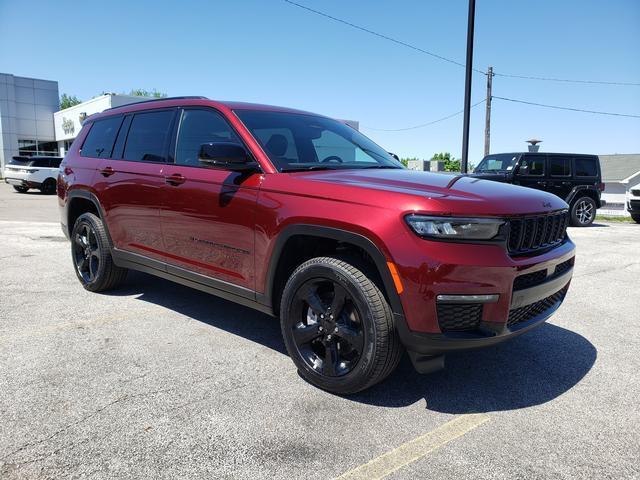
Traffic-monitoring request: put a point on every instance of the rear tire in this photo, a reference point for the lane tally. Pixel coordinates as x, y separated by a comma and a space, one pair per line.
636, 218
583, 212
91, 255
351, 352
20, 189
48, 187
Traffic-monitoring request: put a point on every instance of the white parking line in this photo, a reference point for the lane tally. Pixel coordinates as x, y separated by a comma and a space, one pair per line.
415, 449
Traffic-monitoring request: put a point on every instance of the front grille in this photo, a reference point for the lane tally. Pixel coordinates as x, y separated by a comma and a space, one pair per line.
536, 278
523, 314
456, 317
531, 234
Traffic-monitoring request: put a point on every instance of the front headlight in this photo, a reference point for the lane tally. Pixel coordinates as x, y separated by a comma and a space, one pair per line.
455, 228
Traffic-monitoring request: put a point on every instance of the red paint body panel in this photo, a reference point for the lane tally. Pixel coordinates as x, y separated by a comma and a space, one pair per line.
226, 225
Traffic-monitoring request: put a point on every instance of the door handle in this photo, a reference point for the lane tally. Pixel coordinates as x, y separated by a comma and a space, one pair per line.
175, 179
107, 171
542, 184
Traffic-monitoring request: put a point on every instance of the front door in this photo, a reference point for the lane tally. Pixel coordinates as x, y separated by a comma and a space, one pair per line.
208, 214
531, 171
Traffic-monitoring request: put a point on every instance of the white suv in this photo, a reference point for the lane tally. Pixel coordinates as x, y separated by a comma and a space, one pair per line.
633, 202
33, 172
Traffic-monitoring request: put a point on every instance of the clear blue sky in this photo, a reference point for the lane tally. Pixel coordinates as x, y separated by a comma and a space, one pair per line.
268, 51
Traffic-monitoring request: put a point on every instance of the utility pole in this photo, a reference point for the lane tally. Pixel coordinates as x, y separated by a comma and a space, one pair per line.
467, 87
487, 123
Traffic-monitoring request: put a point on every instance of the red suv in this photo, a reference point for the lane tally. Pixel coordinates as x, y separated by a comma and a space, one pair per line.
303, 217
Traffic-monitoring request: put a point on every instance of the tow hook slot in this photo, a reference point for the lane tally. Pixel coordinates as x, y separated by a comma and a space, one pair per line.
426, 363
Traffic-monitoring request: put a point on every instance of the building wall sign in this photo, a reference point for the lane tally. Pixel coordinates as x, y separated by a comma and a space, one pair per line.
68, 126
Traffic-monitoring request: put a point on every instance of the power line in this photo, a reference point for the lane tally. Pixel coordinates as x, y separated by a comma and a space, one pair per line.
566, 80
454, 62
567, 108
423, 124
380, 35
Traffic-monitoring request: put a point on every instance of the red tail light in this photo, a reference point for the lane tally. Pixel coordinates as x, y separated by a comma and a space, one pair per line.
601, 187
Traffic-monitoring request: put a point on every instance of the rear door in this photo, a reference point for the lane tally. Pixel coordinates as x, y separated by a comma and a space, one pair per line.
208, 214
129, 183
559, 175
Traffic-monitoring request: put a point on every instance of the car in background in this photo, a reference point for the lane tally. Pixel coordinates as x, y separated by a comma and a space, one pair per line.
633, 202
576, 178
24, 173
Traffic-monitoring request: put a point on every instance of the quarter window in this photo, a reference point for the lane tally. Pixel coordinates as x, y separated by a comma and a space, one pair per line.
586, 167
148, 136
559, 166
99, 141
197, 127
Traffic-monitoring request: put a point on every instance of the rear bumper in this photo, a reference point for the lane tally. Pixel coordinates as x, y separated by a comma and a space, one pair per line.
21, 182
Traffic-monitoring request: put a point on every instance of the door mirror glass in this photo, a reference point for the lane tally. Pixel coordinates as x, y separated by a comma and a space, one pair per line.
523, 169
225, 155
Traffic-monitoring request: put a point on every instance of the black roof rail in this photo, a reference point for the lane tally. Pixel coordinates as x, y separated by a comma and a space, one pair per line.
186, 97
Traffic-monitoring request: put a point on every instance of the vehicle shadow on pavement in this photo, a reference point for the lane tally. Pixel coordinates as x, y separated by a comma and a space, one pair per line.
203, 307
529, 370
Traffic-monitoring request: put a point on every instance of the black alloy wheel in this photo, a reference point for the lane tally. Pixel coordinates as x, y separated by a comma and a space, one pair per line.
20, 189
91, 255
328, 334
86, 253
338, 326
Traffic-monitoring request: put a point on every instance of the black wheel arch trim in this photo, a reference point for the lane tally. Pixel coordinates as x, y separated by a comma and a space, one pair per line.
579, 189
331, 233
86, 195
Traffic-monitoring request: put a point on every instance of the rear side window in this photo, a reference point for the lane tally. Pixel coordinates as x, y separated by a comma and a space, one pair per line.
55, 162
99, 141
41, 162
586, 167
148, 136
559, 166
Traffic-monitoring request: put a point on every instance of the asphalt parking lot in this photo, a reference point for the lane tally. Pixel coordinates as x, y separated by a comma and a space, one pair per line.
159, 381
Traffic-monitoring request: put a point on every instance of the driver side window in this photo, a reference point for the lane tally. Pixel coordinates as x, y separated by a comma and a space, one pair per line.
197, 127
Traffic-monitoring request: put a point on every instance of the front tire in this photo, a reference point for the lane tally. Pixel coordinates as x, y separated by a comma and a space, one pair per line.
583, 212
338, 327
636, 218
91, 255
20, 189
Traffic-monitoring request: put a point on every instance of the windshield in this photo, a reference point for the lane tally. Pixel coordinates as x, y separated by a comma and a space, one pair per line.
309, 142
502, 162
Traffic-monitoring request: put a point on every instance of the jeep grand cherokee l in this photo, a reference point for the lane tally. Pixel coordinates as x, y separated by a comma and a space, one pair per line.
303, 217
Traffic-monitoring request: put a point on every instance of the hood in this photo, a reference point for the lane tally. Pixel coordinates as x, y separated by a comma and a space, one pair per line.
438, 192
496, 176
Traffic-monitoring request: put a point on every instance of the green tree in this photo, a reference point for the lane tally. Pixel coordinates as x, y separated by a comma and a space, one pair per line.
451, 164
67, 101
141, 92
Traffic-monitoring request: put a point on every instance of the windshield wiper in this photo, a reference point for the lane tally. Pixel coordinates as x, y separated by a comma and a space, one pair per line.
308, 168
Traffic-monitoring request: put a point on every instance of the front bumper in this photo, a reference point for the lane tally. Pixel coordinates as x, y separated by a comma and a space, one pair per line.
540, 302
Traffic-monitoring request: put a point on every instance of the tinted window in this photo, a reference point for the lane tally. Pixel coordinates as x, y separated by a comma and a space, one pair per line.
559, 166
296, 141
99, 141
198, 127
535, 164
55, 162
41, 162
148, 136
586, 167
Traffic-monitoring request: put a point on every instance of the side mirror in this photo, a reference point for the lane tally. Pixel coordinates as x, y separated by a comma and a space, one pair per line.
523, 169
226, 156
394, 155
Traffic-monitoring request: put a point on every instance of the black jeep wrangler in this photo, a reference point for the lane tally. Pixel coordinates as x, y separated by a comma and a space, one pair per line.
575, 178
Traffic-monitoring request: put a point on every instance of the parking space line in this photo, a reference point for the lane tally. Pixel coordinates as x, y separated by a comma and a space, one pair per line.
415, 449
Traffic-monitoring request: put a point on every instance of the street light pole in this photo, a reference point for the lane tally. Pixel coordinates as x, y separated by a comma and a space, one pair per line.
467, 87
